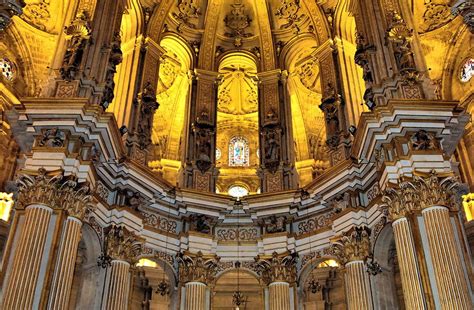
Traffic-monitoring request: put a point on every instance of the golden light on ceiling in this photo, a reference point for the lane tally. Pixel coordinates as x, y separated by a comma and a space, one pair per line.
468, 204
146, 263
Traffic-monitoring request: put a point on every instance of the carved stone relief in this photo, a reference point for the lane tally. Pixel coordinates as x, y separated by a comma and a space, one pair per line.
237, 20
289, 12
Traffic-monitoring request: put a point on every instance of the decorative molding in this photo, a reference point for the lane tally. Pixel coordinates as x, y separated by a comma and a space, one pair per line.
277, 268
159, 222
122, 244
353, 245
315, 223
244, 233
197, 268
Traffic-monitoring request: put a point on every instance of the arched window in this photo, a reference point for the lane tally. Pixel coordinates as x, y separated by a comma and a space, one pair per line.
237, 191
467, 70
238, 152
7, 68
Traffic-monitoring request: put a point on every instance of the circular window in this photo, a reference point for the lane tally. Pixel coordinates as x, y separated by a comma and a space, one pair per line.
467, 70
237, 191
7, 68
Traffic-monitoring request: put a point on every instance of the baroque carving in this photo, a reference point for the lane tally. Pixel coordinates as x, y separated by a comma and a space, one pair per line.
420, 192
37, 14
203, 137
159, 222
275, 224
197, 268
353, 245
317, 222
242, 233
187, 12
115, 58
78, 35
289, 11
8, 9
423, 141
52, 137
361, 57
465, 8
237, 21
122, 244
148, 106
436, 15
200, 223
330, 105
277, 268
271, 146
55, 190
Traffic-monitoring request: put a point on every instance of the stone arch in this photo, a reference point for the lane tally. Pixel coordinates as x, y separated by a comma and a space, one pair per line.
89, 278
384, 285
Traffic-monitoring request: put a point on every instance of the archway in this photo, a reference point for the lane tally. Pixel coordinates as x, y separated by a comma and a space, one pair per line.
386, 286
244, 281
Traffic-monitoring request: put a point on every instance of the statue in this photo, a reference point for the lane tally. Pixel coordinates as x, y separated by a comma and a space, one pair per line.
272, 146
203, 149
422, 141
200, 223
275, 224
52, 138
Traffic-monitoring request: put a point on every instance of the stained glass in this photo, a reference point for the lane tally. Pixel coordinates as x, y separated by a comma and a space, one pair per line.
6, 66
467, 70
238, 152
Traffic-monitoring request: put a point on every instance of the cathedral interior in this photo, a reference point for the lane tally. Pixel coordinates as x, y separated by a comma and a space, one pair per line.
236, 154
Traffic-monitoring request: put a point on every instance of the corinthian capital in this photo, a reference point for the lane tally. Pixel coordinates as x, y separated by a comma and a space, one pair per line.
54, 190
197, 267
353, 245
422, 191
277, 267
122, 244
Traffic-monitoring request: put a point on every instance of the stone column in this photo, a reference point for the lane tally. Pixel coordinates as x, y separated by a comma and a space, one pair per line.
41, 194
279, 272
121, 249
195, 296
195, 272
352, 249
452, 286
409, 269
359, 295
20, 289
64, 270
279, 295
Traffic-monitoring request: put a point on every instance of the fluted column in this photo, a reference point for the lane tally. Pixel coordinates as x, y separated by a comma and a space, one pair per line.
450, 280
121, 248
64, 270
279, 295
118, 284
195, 296
352, 248
20, 290
408, 264
358, 293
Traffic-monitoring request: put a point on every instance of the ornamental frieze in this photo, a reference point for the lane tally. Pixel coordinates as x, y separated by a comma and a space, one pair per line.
314, 223
55, 190
159, 222
234, 233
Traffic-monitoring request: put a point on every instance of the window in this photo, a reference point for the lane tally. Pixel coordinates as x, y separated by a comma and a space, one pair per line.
467, 70
237, 191
7, 68
328, 263
238, 152
218, 154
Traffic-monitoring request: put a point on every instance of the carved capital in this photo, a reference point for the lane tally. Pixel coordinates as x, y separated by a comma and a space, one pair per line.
122, 244
197, 267
353, 245
55, 190
420, 192
278, 267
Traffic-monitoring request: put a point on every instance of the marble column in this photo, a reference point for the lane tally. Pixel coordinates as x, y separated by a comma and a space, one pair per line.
64, 270
358, 293
118, 285
409, 269
450, 279
279, 295
195, 296
20, 289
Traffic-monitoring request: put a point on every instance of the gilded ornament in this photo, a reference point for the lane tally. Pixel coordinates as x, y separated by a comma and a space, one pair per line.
121, 244
353, 245
197, 267
278, 267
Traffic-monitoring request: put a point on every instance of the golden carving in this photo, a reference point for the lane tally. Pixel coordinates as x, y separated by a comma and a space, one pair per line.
277, 267
55, 190
122, 244
353, 245
197, 267
422, 191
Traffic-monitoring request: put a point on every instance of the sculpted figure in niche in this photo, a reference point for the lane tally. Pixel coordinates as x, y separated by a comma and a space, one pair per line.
275, 224
78, 32
203, 147
272, 146
200, 223
422, 141
52, 138
404, 55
